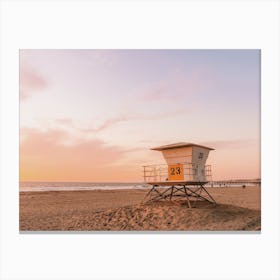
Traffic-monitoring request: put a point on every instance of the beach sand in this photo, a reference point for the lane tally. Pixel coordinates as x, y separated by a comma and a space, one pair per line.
121, 210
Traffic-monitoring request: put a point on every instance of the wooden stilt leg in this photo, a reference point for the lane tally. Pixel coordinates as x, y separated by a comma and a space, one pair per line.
208, 194
199, 192
171, 192
161, 195
197, 195
188, 201
149, 193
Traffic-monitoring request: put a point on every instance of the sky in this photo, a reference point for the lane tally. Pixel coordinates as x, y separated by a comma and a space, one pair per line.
94, 115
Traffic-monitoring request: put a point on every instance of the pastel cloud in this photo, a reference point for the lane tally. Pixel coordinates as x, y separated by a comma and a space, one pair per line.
231, 144
135, 117
237, 159
69, 124
64, 121
48, 155
176, 86
30, 81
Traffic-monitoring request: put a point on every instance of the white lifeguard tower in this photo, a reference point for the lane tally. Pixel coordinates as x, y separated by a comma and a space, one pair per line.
183, 175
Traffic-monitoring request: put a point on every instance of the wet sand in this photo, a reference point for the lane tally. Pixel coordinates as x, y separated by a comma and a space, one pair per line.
115, 210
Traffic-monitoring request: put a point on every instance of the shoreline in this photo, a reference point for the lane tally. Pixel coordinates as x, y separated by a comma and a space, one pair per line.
116, 188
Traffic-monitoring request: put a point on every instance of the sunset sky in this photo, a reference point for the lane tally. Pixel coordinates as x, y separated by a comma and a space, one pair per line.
93, 115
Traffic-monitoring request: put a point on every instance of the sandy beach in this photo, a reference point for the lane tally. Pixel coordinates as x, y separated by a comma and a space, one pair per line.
115, 210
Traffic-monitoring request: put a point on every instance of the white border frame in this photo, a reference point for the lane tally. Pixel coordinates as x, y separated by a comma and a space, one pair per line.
140, 24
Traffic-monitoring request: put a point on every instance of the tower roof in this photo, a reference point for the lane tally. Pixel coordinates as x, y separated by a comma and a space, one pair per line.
179, 145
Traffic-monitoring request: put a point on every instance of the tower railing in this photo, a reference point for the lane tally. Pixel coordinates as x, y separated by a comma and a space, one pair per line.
159, 172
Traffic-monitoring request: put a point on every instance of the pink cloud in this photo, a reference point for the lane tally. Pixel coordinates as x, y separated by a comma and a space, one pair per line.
111, 122
155, 94
46, 155
135, 117
176, 87
37, 142
30, 81
64, 122
231, 144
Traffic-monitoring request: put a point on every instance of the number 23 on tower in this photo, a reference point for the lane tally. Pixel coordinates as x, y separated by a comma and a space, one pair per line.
175, 172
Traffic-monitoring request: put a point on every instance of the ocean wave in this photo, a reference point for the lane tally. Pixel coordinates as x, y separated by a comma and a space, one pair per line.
57, 186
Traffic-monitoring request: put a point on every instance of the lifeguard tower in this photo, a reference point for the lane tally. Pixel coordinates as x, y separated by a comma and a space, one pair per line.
183, 176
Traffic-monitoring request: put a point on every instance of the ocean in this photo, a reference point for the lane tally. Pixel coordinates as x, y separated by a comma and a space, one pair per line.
77, 186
